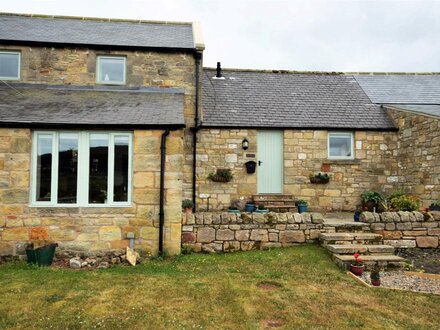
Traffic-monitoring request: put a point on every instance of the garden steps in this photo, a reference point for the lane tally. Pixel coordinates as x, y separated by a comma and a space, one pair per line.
360, 248
383, 260
348, 238
276, 202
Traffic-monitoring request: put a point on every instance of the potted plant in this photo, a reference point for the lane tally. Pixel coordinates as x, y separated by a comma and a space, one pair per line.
302, 205
40, 252
249, 207
221, 175
375, 275
233, 209
262, 209
357, 267
187, 206
319, 178
371, 200
357, 214
435, 206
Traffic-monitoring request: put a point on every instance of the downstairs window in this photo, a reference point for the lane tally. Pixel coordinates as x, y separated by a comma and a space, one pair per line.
340, 145
81, 168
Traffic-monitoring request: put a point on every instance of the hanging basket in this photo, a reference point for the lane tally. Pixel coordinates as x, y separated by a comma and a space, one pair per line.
218, 178
315, 179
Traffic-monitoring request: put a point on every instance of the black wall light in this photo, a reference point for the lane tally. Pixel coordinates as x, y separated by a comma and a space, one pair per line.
245, 144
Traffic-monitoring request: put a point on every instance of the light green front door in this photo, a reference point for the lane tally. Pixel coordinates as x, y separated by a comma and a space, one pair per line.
270, 162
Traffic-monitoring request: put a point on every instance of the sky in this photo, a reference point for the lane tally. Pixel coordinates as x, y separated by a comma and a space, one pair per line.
317, 35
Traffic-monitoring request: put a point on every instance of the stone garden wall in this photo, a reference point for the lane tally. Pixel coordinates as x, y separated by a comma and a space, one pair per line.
305, 152
228, 232
406, 229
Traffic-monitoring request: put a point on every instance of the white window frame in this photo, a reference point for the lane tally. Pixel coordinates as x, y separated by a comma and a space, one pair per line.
345, 134
19, 65
98, 70
83, 170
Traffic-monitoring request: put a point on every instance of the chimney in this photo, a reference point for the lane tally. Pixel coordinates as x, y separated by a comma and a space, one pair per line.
219, 70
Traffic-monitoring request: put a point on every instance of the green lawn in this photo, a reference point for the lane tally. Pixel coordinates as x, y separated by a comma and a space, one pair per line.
209, 291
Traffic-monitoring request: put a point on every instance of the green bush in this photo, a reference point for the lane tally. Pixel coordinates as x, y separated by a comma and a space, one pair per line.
405, 203
187, 204
372, 196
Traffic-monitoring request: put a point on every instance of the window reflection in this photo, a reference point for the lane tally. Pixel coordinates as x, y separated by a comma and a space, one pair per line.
98, 168
67, 168
120, 184
44, 167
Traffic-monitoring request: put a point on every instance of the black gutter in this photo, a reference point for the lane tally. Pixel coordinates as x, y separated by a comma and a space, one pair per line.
195, 129
163, 149
97, 46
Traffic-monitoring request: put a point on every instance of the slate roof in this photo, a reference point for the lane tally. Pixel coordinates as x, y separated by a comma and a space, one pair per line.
428, 109
45, 106
288, 100
403, 88
100, 32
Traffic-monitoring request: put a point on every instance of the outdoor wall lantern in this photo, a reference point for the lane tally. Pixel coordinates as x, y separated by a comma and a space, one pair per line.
245, 144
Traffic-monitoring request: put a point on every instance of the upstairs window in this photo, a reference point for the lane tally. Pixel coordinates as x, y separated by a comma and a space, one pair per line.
340, 145
9, 65
111, 70
79, 168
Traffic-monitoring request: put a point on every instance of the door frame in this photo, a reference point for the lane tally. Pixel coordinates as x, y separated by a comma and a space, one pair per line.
281, 187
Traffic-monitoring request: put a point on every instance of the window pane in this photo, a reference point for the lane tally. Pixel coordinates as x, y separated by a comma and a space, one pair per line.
120, 187
67, 168
44, 167
111, 70
9, 65
340, 145
98, 168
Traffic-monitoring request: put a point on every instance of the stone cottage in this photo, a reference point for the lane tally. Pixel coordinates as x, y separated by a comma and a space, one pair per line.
92, 131
107, 125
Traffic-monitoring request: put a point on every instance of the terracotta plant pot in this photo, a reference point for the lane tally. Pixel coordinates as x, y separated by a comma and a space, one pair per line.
188, 210
357, 270
375, 282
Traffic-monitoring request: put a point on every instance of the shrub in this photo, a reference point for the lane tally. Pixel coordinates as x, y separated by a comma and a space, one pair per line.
397, 193
301, 202
261, 207
405, 203
372, 196
187, 204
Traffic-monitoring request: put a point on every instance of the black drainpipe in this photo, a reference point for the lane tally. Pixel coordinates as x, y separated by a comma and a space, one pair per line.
163, 149
195, 129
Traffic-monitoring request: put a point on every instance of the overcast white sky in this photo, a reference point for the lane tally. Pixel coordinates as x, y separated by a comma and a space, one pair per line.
327, 35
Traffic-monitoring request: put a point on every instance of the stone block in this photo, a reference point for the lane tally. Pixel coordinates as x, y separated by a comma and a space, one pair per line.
212, 247
404, 226
390, 226
377, 226
434, 231
111, 233
367, 217
415, 233
419, 216
292, 236
242, 235
15, 234
400, 243
6, 249
427, 242
273, 237
306, 217
87, 237
205, 235
12, 221
317, 218
246, 246
259, 235
391, 235
314, 233
269, 245
231, 246
188, 238
62, 233
224, 235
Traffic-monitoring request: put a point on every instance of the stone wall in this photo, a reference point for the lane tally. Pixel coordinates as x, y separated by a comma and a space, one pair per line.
418, 156
305, 152
229, 232
92, 228
406, 229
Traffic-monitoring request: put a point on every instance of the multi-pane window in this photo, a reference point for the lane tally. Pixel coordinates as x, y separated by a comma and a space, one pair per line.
81, 168
111, 70
340, 145
9, 65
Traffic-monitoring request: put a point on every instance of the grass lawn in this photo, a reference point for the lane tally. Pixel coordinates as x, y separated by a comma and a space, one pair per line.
209, 291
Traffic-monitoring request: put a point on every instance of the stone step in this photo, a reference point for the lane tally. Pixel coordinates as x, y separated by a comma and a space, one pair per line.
342, 226
333, 237
361, 248
271, 197
281, 200
383, 260
283, 208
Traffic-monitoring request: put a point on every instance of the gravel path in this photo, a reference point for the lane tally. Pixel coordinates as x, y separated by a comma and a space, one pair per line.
400, 280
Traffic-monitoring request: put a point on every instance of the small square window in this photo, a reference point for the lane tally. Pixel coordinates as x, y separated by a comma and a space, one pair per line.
340, 146
111, 70
9, 65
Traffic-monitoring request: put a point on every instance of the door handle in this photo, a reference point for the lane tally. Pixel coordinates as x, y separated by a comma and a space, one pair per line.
260, 162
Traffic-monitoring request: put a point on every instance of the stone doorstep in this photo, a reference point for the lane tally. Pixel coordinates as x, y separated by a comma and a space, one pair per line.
361, 248
349, 237
370, 258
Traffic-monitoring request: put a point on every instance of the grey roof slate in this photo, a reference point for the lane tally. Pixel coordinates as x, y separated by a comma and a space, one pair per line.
288, 100
31, 105
96, 32
404, 88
